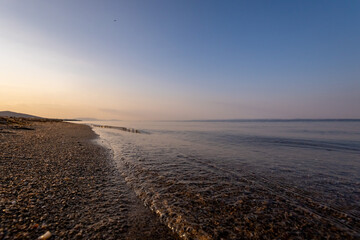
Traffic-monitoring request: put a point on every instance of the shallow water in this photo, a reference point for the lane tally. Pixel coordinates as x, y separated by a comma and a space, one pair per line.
244, 179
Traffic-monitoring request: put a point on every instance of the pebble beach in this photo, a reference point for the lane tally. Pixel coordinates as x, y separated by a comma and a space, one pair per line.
58, 183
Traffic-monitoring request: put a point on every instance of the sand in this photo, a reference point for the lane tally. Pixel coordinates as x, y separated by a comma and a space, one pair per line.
55, 178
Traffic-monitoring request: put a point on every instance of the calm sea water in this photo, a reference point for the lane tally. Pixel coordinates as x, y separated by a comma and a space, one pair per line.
244, 179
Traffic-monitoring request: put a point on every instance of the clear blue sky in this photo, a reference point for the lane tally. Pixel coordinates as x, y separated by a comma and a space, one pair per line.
181, 59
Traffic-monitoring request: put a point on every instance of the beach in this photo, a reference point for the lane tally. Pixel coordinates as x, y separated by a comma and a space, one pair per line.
56, 180
201, 120
174, 180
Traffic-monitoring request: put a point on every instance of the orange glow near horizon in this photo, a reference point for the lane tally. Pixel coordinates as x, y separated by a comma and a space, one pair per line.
63, 59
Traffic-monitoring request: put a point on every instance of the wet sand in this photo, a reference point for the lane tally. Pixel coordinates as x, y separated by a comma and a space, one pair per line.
55, 178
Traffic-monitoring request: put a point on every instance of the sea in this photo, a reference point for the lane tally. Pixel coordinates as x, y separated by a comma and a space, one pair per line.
243, 179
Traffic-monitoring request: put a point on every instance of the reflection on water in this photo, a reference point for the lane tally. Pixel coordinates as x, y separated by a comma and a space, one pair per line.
231, 180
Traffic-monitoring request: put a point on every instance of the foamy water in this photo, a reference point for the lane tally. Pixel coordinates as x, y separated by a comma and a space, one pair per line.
255, 179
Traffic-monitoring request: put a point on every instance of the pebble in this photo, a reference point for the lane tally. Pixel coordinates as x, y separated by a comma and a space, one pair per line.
45, 236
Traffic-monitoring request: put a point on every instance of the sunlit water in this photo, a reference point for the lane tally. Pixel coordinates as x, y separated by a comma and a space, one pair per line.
231, 180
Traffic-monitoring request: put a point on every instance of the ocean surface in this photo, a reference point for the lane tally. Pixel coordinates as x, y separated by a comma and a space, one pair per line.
243, 179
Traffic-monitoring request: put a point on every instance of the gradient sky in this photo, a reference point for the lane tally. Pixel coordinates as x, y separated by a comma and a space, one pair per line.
180, 59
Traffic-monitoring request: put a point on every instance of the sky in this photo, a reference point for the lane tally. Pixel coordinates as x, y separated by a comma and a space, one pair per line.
180, 59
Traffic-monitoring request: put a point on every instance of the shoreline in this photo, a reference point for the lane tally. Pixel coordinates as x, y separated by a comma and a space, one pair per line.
56, 178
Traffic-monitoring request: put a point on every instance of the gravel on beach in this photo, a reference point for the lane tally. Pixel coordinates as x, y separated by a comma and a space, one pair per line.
55, 180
